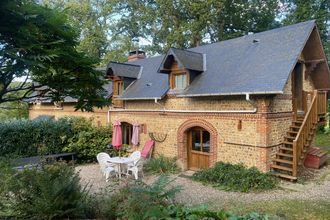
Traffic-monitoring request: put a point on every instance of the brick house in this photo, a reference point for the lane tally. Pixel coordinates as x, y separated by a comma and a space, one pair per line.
255, 99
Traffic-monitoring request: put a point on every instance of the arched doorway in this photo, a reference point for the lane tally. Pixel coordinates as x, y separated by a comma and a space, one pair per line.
126, 130
194, 151
198, 148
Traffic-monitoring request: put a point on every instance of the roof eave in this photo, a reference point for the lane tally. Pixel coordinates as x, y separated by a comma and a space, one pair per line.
232, 93
139, 98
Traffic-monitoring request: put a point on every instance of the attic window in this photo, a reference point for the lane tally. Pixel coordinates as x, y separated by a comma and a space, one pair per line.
179, 78
118, 87
179, 81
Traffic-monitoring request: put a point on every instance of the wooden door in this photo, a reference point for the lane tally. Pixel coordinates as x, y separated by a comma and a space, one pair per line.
297, 89
198, 148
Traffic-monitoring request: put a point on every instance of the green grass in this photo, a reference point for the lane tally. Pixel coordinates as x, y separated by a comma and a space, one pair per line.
285, 209
322, 141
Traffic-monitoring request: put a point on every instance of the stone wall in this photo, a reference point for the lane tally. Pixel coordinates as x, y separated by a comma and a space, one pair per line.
35, 110
249, 145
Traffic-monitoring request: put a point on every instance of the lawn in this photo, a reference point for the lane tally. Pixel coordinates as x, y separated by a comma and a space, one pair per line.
286, 209
322, 140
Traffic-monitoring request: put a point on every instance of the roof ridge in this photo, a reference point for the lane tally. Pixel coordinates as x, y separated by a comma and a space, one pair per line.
124, 63
233, 39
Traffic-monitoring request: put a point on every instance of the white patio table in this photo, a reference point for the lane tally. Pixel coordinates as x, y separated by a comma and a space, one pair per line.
120, 161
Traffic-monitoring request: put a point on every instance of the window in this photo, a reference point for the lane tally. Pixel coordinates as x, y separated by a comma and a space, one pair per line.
126, 130
118, 87
179, 80
200, 140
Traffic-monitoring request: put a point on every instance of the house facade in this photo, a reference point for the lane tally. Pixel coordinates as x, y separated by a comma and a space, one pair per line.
247, 100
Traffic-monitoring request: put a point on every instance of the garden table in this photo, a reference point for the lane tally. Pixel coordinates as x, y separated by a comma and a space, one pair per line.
120, 161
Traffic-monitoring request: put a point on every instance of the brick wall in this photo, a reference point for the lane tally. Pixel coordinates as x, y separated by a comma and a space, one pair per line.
249, 146
35, 110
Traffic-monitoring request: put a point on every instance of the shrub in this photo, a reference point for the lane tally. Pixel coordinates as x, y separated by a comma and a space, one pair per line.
161, 165
136, 200
30, 138
236, 177
87, 140
52, 191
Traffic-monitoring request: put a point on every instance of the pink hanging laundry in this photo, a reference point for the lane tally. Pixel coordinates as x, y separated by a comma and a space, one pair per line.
117, 135
136, 134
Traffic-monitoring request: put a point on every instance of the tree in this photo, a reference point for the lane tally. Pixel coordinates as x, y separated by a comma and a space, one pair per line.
91, 18
302, 10
38, 44
185, 23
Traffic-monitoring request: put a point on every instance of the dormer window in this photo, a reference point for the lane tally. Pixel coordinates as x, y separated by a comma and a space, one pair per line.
182, 66
121, 75
118, 87
179, 81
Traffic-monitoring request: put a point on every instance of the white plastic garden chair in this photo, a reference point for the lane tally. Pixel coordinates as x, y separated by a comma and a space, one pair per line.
134, 167
106, 167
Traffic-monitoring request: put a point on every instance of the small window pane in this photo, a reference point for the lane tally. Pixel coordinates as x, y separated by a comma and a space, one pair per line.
196, 140
180, 81
206, 141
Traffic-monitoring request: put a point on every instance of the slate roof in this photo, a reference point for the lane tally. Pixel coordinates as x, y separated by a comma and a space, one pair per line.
124, 70
236, 66
185, 58
68, 99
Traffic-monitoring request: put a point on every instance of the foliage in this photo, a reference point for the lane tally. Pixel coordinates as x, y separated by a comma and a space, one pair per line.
87, 140
38, 44
15, 109
53, 192
185, 23
302, 10
161, 165
124, 151
91, 18
30, 138
236, 177
136, 200
42, 136
289, 209
50, 192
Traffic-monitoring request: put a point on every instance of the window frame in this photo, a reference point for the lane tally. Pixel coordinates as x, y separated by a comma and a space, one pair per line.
175, 71
129, 128
200, 130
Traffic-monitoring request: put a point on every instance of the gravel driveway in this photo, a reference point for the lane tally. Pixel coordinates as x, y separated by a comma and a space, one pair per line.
195, 193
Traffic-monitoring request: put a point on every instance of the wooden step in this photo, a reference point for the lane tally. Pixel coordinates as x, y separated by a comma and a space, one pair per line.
274, 166
290, 137
286, 148
293, 132
297, 122
288, 143
283, 161
285, 176
294, 127
284, 155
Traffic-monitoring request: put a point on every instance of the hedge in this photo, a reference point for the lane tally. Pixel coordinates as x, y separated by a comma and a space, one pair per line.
25, 138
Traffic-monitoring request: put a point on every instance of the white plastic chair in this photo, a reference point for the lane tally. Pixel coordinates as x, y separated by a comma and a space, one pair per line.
134, 167
106, 167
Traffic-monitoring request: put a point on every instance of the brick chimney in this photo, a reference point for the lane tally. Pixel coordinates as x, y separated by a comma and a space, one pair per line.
136, 55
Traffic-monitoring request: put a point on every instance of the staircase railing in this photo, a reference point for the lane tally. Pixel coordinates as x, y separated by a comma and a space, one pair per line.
316, 107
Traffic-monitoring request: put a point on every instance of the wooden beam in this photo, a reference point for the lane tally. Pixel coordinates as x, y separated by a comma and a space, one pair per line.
314, 61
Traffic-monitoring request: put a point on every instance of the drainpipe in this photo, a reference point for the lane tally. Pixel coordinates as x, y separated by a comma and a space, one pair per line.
247, 98
108, 118
157, 103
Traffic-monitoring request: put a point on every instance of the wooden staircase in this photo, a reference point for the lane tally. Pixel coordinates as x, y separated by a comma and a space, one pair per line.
299, 138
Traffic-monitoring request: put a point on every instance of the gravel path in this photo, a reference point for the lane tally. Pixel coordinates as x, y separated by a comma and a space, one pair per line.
194, 193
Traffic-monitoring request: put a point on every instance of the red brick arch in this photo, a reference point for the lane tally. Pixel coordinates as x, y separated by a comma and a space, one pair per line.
182, 140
